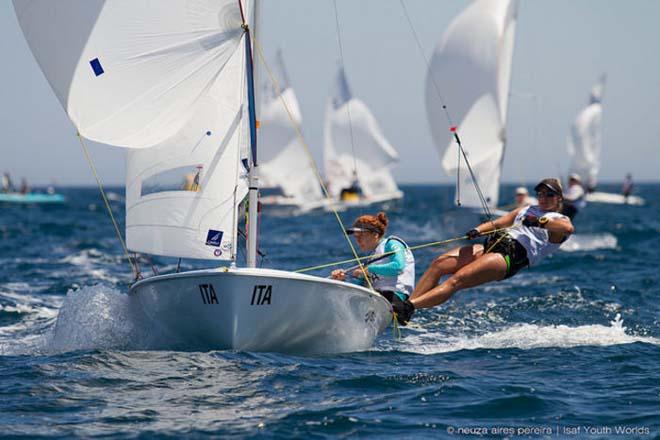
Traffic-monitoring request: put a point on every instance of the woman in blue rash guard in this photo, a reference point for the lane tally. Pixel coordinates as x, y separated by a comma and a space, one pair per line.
394, 275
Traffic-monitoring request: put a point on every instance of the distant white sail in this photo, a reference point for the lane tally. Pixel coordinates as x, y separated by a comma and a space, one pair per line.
284, 161
472, 69
585, 140
354, 142
134, 75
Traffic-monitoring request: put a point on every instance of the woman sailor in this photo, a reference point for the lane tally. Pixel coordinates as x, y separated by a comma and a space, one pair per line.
394, 275
532, 233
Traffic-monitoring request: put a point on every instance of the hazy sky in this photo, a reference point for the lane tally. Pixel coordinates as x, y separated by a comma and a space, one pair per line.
562, 47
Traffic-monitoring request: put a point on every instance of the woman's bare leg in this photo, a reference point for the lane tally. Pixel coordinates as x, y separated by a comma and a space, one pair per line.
447, 263
486, 268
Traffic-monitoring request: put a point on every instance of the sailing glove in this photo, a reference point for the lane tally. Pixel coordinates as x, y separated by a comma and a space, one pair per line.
472, 234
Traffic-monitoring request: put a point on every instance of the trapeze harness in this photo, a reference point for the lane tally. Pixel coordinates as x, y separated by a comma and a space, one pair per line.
523, 246
395, 280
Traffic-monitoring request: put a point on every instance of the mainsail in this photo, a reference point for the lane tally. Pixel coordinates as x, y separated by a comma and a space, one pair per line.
355, 147
470, 72
585, 141
161, 81
280, 149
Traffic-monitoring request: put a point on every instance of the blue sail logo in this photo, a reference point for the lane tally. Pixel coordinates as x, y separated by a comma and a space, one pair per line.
214, 238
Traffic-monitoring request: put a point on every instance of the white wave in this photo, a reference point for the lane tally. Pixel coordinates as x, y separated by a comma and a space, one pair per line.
84, 258
589, 242
526, 337
88, 260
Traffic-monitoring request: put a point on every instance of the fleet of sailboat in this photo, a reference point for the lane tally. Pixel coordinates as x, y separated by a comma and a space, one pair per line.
357, 157
175, 86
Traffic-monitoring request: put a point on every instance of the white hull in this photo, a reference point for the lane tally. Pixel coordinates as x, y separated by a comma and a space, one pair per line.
296, 207
614, 198
293, 205
262, 310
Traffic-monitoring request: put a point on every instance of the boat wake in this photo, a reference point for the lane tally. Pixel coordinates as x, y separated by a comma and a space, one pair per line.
589, 242
526, 337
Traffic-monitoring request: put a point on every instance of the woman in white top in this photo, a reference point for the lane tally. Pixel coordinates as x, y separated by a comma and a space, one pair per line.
533, 233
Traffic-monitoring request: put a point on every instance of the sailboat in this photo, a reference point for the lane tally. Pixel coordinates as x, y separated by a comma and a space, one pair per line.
32, 198
584, 145
357, 156
175, 85
282, 170
470, 73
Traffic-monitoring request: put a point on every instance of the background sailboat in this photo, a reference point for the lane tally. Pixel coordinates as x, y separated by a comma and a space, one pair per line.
355, 150
585, 146
282, 154
470, 72
174, 84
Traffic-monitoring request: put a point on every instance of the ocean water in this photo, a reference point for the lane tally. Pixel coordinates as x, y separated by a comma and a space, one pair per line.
569, 349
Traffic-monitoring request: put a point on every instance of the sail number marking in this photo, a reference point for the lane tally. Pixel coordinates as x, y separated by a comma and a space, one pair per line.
208, 294
261, 294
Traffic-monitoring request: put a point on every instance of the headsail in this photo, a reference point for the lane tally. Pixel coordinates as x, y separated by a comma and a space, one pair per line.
472, 68
585, 141
355, 144
171, 78
283, 157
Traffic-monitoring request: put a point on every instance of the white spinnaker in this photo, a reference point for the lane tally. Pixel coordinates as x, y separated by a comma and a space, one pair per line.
585, 140
284, 161
171, 78
353, 140
130, 73
471, 67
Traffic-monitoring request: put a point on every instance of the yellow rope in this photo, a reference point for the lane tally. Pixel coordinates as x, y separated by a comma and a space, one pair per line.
311, 160
396, 331
107, 204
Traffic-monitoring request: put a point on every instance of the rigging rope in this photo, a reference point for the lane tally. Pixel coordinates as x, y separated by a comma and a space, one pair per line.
310, 157
376, 257
452, 128
348, 106
136, 272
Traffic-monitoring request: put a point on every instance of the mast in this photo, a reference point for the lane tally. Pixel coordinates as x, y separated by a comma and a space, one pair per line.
253, 175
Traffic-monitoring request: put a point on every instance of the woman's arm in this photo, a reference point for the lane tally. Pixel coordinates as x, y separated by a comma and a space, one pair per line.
396, 263
561, 225
501, 222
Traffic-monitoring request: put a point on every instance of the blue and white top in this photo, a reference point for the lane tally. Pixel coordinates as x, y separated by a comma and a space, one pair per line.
398, 273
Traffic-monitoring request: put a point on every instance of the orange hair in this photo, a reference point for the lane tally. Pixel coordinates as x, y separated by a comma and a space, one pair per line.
376, 222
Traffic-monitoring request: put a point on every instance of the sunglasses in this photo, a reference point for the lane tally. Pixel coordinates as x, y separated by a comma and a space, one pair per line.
361, 230
546, 194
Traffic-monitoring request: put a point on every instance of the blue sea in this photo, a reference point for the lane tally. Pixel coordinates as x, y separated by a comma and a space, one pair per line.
568, 349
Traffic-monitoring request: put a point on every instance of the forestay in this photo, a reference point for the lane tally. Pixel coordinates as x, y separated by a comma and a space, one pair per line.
171, 78
353, 142
284, 161
585, 140
472, 68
